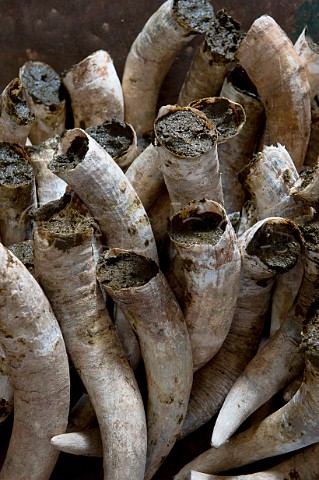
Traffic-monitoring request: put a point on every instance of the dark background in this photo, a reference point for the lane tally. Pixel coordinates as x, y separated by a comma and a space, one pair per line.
62, 33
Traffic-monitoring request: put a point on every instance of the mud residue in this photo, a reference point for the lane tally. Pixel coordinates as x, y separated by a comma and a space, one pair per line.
67, 229
223, 37
239, 79
42, 83
277, 244
15, 170
114, 136
195, 15
185, 134
126, 270
224, 114
24, 252
74, 155
206, 228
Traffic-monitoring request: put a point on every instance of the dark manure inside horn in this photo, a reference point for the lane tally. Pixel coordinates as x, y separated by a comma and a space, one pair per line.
42, 83
277, 245
223, 37
114, 136
185, 134
15, 170
198, 228
194, 14
225, 115
126, 270
67, 229
74, 155
239, 79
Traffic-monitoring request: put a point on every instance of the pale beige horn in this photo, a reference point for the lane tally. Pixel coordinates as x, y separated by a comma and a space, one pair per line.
172, 26
262, 378
206, 244
65, 268
293, 426
302, 465
236, 152
49, 186
101, 184
95, 90
308, 51
142, 292
146, 177
32, 341
269, 177
271, 62
261, 261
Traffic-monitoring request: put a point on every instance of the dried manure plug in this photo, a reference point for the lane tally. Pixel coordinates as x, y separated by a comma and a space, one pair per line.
213, 60
187, 147
17, 193
308, 51
45, 97
260, 263
100, 183
207, 246
227, 116
235, 153
166, 32
39, 370
270, 60
293, 426
65, 268
49, 187
118, 139
142, 292
15, 117
95, 90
